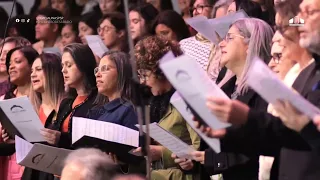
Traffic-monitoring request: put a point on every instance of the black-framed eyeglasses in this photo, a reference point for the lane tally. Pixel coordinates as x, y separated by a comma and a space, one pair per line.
276, 57
199, 8
144, 75
104, 29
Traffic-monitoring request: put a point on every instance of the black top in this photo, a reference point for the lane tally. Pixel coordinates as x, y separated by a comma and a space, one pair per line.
234, 166
65, 109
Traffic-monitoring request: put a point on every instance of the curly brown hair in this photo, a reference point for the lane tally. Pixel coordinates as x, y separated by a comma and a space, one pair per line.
151, 49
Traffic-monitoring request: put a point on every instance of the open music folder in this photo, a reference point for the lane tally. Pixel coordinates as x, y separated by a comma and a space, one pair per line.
40, 157
19, 118
108, 137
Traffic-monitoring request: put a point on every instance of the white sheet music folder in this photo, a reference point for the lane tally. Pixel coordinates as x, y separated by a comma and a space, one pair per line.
103, 130
194, 85
40, 157
182, 107
170, 141
18, 117
271, 88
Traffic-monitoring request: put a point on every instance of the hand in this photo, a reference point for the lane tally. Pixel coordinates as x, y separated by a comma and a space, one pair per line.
226, 110
185, 164
290, 116
198, 156
51, 136
212, 133
155, 152
316, 121
5, 136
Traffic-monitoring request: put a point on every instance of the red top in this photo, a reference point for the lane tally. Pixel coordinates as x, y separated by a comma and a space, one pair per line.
76, 102
42, 115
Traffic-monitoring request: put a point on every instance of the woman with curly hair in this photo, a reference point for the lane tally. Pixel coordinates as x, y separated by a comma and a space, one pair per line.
148, 53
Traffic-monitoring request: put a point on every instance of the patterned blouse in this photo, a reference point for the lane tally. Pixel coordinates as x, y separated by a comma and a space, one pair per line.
204, 52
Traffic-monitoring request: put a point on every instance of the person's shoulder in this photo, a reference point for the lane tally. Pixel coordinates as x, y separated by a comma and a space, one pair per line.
187, 40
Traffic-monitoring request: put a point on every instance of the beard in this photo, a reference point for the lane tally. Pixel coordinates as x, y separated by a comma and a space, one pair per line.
312, 42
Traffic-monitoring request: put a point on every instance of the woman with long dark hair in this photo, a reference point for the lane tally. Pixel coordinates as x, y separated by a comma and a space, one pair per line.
46, 95
170, 25
78, 63
19, 61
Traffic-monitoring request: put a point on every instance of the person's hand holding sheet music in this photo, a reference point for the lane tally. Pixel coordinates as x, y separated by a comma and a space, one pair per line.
227, 110
198, 156
290, 116
155, 152
212, 133
185, 164
5, 136
51, 136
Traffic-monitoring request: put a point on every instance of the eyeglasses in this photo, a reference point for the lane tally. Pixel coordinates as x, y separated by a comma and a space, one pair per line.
103, 69
276, 57
144, 76
200, 8
230, 36
282, 29
104, 29
308, 13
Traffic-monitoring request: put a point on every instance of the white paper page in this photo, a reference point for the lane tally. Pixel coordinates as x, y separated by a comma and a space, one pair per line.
271, 88
103, 130
96, 45
221, 25
202, 26
40, 157
182, 107
23, 117
53, 50
170, 141
23, 147
193, 83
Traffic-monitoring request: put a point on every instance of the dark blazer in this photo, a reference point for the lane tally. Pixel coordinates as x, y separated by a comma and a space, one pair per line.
295, 159
65, 109
235, 166
117, 111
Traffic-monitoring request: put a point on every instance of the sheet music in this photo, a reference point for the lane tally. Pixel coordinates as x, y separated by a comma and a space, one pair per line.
271, 88
202, 26
103, 130
221, 25
170, 141
175, 5
194, 85
40, 157
182, 107
96, 45
21, 114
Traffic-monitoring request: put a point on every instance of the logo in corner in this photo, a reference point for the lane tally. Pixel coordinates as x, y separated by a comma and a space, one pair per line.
17, 109
296, 21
